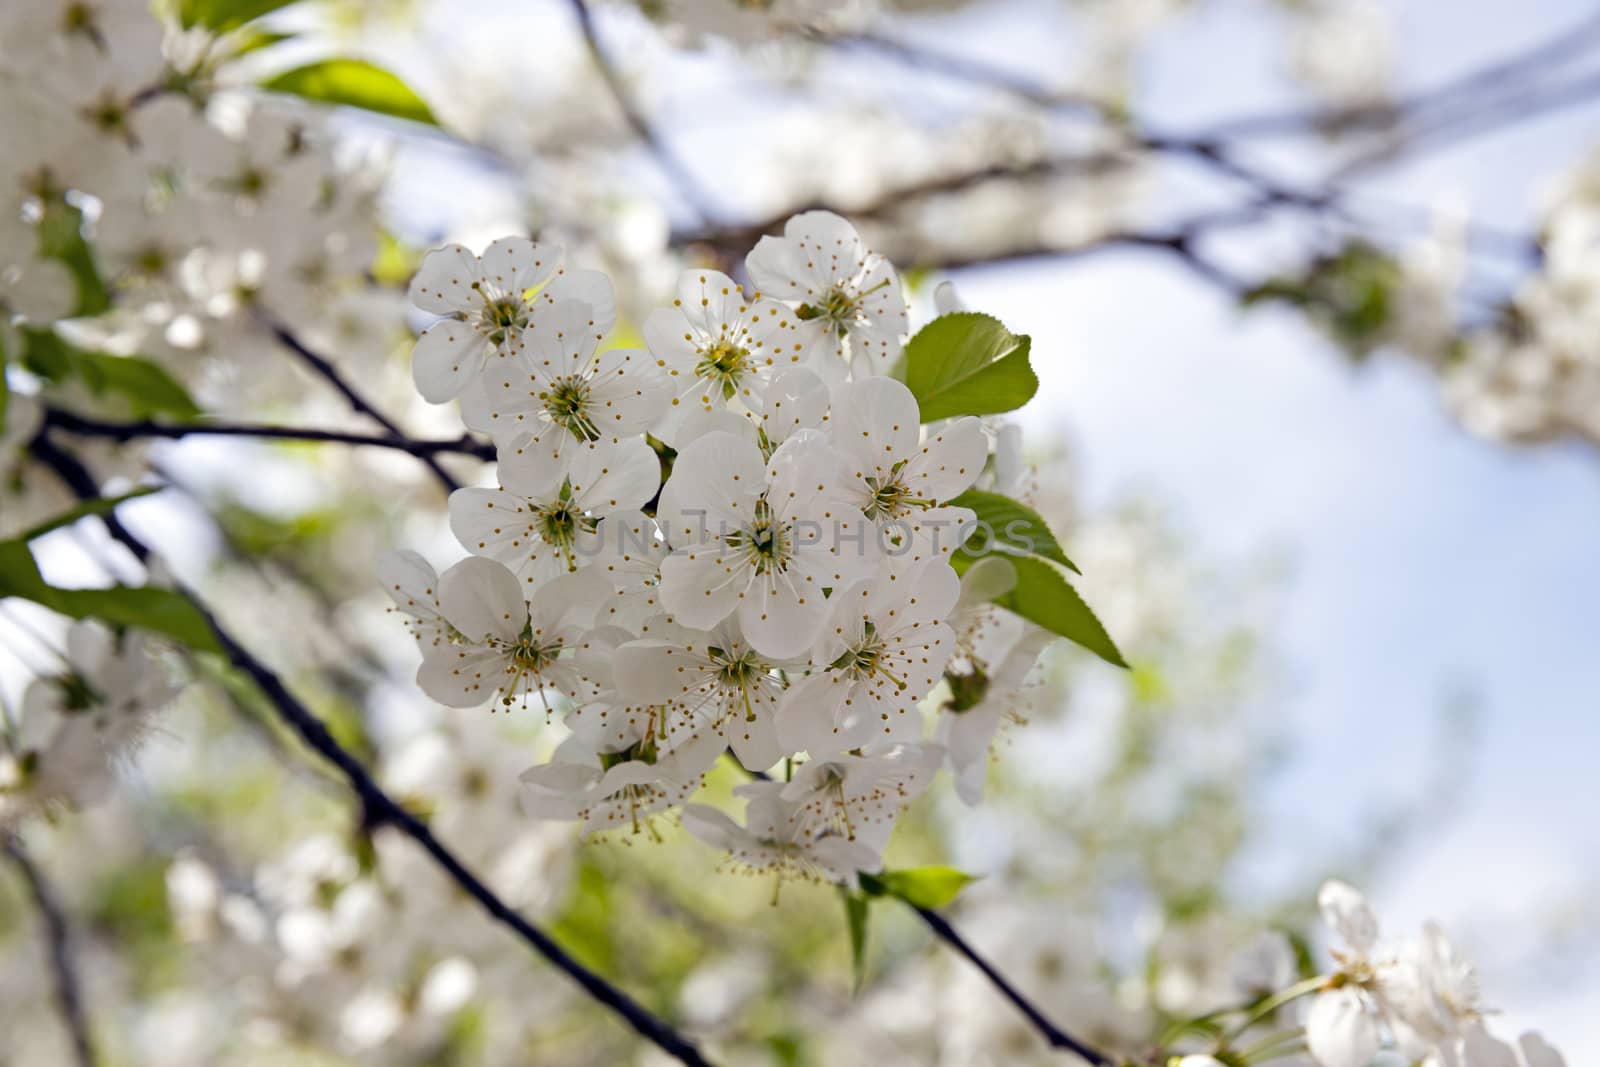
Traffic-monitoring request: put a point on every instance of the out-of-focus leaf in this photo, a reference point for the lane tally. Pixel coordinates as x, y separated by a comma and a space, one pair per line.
254, 40
146, 607
61, 238
1351, 294
98, 506
924, 887
966, 363
145, 386
855, 917
1043, 596
353, 83
224, 15
1009, 524
395, 261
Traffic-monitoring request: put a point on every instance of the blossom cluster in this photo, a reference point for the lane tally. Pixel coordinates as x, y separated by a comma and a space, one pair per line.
738, 538
1418, 998
157, 211
76, 727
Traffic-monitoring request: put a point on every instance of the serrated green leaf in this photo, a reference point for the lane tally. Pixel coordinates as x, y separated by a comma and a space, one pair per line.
353, 83
225, 15
855, 917
101, 505
922, 887
146, 607
1009, 524
966, 363
145, 386
1043, 597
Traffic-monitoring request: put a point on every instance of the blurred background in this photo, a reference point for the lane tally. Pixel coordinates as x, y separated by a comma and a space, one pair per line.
1314, 290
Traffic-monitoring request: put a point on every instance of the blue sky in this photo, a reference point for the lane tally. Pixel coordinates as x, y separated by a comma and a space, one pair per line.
1425, 559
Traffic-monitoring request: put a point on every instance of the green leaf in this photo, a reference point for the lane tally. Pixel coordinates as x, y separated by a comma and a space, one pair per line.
224, 15
254, 40
922, 887
101, 505
855, 917
61, 238
5, 386
1008, 524
145, 386
1043, 596
353, 83
146, 607
968, 364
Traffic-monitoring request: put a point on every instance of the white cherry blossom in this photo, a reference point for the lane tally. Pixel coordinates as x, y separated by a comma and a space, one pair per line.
899, 481
859, 797
539, 528
499, 643
852, 311
883, 649
776, 840
762, 540
608, 792
77, 728
488, 302
711, 682
719, 347
555, 392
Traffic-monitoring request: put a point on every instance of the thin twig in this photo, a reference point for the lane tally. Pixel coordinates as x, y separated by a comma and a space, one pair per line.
688, 185
88, 426
378, 808
329, 373
63, 964
1541, 57
1057, 1037
1052, 1033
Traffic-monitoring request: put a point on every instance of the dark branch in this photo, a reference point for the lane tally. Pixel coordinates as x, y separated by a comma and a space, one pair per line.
329, 373
687, 184
1057, 1037
87, 426
1541, 59
69, 994
1052, 1033
378, 808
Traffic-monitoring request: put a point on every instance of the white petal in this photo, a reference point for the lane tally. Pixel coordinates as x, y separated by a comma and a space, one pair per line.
591, 287
701, 584
459, 677
948, 463
447, 356
515, 264
620, 477
1536, 1053
813, 712
481, 598
444, 281
713, 827
1340, 1031
713, 489
875, 420
1347, 912
780, 620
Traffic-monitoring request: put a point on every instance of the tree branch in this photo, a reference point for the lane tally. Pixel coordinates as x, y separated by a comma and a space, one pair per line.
329, 373
88, 426
1052, 1033
1057, 1037
63, 965
687, 184
378, 808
